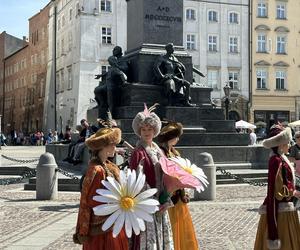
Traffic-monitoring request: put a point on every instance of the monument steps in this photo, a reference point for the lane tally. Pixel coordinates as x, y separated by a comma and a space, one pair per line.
64, 184
208, 126
14, 170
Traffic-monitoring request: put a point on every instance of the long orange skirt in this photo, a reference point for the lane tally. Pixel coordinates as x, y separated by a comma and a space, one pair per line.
106, 241
182, 227
288, 231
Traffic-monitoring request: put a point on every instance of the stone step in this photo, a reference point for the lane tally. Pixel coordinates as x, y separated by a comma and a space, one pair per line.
209, 126
200, 139
14, 170
244, 173
233, 181
61, 187
239, 165
60, 181
180, 114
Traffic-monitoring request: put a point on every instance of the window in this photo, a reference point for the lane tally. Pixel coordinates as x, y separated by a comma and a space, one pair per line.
233, 79
233, 44
261, 43
41, 92
62, 80
190, 14
212, 43
233, 17
70, 42
63, 21
105, 5
70, 81
58, 24
42, 57
62, 46
262, 10
57, 82
70, 14
280, 42
261, 79
190, 42
212, 16
280, 79
280, 11
213, 78
106, 35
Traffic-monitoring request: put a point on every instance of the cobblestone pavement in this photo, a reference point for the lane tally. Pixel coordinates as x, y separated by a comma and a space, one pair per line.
227, 223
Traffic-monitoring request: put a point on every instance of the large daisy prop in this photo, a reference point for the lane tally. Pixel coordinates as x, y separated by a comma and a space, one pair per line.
192, 169
125, 203
180, 174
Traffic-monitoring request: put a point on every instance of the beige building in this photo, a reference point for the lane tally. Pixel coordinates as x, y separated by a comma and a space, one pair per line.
275, 62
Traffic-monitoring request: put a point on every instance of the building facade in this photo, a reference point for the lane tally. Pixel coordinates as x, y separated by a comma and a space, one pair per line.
275, 61
86, 33
216, 34
8, 46
25, 78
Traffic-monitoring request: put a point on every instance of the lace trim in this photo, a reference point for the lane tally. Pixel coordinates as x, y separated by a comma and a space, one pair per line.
282, 207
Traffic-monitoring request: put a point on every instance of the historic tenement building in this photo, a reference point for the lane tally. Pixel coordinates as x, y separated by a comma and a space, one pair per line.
275, 61
216, 34
86, 33
25, 78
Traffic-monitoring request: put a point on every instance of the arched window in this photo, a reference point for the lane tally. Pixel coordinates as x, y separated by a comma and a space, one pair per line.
233, 18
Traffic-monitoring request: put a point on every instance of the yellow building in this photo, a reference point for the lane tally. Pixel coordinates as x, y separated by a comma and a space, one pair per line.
275, 65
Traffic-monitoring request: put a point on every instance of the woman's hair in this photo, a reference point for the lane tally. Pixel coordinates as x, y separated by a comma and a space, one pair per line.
275, 150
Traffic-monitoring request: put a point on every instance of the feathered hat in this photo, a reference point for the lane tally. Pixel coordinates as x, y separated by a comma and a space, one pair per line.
278, 135
169, 131
147, 117
104, 136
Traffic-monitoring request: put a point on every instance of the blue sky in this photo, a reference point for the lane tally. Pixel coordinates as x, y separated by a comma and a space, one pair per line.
14, 15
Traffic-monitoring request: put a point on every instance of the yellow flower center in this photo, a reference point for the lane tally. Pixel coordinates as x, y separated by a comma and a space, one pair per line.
187, 169
126, 203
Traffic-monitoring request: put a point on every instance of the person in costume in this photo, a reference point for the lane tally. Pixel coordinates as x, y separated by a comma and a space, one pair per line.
88, 229
158, 234
181, 221
279, 226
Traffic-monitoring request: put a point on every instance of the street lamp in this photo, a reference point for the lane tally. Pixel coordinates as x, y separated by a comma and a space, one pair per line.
227, 101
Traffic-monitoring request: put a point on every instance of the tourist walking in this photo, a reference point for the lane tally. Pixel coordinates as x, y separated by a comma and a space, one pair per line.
182, 225
279, 226
88, 229
158, 234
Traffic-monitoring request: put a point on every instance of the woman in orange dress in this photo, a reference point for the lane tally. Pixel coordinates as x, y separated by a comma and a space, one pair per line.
88, 229
184, 236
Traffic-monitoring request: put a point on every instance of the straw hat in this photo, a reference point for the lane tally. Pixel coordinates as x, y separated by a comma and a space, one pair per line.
170, 131
104, 137
146, 118
278, 136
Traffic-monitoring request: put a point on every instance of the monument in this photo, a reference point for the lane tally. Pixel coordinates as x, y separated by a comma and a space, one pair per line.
158, 65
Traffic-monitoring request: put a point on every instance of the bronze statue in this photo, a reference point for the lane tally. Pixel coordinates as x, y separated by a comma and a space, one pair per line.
106, 94
170, 72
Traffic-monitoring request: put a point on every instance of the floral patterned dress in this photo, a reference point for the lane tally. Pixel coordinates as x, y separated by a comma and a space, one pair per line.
158, 234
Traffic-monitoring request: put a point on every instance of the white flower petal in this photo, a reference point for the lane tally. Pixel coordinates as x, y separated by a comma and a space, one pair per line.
140, 213
131, 182
113, 186
149, 202
139, 184
128, 226
118, 224
148, 209
134, 223
146, 194
105, 199
188, 163
105, 209
107, 193
123, 178
111, 220
141, 224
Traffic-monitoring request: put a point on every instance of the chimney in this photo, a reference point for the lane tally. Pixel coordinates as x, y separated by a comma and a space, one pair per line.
24, 38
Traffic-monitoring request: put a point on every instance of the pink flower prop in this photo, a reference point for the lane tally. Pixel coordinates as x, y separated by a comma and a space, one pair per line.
176, 178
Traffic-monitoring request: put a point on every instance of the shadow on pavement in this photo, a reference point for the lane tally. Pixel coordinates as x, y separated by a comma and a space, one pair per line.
59, 208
